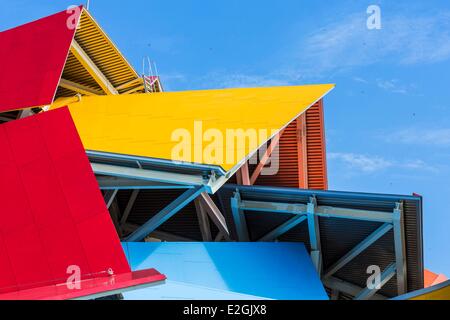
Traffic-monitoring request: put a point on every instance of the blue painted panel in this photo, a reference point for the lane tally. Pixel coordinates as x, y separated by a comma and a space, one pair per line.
173, 290
270, 270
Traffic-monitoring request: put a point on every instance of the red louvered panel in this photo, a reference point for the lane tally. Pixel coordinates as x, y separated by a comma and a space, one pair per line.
301, 165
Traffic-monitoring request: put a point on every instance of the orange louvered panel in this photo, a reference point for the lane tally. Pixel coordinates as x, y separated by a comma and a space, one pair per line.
315, 148
301, 161
287, 175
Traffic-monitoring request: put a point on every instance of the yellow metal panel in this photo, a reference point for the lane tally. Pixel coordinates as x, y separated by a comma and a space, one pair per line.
147, 124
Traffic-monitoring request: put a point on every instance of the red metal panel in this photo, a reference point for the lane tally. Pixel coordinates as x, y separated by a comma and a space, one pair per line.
32, 58
53, 214
89, 287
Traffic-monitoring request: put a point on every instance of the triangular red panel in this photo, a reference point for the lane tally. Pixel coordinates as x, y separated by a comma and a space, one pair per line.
32, 58
52, 213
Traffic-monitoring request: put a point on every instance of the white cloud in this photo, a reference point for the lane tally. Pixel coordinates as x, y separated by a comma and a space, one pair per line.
371, 164
395, 86
361, 162
419, 165
242, 80
414, 136
348, 43
391, 85
361, 80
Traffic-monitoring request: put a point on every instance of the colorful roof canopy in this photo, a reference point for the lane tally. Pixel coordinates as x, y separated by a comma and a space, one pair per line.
153, 126
60, 56
54, 216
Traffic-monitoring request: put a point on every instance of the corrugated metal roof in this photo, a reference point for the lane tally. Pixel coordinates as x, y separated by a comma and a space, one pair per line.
105, 55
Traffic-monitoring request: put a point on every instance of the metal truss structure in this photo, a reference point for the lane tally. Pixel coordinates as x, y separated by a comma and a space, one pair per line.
117, 172
197, 188
309, 213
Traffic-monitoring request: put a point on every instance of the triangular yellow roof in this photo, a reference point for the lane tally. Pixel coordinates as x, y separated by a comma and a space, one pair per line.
153, 125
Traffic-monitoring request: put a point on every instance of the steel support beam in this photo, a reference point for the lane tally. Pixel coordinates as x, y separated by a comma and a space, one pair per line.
109, 182
214, 214
314, 235
79, 88
129, 206
6, 119
265, 158
239, 218
377, 234
386, 275
347, 288
109, 197
334, 294
141, 87
166, 236
114, 212
400, 249
354, 214
165, 214
302, 151
283, 228
161, 235
134, 82
147, 175
243, 175
275, 207
218, 237
92, 69
321, 211
203, 221
25, 113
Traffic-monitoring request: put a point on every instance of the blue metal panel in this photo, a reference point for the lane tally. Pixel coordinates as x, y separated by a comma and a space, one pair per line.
165, 214
262, 269
174, 290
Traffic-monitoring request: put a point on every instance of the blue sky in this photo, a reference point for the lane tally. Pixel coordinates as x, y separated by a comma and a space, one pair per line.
388, 119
